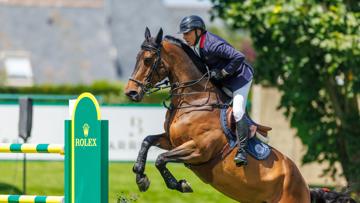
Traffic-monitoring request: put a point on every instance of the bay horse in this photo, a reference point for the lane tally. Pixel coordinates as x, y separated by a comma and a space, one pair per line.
193, 134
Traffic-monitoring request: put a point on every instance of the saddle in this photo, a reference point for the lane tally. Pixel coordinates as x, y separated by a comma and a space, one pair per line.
231, 123
256, 144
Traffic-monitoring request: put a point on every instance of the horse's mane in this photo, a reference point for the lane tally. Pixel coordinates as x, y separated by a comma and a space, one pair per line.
194, 58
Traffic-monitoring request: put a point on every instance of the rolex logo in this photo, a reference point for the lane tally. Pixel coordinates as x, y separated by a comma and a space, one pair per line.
85, 142
86, 128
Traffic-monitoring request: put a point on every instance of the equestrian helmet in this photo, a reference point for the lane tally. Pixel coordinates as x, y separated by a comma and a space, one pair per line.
190, 23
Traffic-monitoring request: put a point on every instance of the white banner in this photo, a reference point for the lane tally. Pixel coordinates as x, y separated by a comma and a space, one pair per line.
128, 126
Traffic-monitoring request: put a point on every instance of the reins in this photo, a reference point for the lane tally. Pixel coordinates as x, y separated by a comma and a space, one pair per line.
148, 88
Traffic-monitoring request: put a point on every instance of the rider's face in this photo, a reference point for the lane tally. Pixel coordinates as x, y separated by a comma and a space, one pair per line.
190, 37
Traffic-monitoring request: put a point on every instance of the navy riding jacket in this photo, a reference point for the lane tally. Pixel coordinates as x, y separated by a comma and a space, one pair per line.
216, 53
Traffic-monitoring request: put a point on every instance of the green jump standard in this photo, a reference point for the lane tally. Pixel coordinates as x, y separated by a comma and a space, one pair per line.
86, 157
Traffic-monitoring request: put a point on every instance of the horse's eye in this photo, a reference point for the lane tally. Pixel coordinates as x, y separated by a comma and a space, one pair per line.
147, 61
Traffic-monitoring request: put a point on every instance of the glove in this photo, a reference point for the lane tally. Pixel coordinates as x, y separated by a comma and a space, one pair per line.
218, 74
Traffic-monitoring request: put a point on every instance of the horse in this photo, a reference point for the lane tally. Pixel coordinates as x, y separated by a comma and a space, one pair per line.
193, 134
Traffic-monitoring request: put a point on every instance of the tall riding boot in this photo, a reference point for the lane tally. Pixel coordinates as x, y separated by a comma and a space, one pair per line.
243, 131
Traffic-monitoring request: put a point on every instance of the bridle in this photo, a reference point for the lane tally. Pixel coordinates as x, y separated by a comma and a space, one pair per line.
146, 86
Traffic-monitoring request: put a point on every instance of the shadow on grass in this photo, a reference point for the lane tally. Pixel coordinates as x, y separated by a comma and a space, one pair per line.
9, 189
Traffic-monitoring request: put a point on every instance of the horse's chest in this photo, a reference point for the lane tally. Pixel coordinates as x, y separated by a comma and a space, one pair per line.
185, 126
178, 135
179, 132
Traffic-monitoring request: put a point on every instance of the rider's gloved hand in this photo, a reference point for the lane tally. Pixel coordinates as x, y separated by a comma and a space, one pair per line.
218, 74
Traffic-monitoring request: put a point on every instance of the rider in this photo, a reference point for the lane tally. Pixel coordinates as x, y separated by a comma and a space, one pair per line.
227, 66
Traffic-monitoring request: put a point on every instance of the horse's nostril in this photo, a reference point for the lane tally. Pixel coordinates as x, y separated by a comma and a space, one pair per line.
132, 94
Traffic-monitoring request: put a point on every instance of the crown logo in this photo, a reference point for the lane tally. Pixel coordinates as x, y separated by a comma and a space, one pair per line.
86, 128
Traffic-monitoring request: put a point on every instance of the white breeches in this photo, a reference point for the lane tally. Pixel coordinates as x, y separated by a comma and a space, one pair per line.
239, 101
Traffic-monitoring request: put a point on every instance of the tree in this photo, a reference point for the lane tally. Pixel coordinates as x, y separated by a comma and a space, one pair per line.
310, 51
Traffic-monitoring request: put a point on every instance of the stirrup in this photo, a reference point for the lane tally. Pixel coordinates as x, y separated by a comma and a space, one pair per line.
240, 158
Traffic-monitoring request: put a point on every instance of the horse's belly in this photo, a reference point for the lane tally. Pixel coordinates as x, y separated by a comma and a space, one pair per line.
247, 185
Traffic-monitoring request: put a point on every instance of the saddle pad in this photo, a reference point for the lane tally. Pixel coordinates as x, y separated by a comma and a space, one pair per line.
258, 149
255, 147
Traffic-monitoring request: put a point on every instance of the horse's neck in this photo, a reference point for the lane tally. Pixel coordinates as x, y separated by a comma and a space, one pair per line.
183, 71
185, 74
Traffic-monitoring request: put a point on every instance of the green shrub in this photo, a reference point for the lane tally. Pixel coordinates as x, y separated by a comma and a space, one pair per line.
109, 92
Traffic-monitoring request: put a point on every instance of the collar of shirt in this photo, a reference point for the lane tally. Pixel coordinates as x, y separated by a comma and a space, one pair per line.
196, 48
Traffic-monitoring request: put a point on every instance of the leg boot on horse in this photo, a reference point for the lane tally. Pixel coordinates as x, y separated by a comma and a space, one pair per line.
139, 167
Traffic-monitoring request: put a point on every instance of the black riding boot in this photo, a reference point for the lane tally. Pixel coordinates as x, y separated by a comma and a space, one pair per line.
243, 131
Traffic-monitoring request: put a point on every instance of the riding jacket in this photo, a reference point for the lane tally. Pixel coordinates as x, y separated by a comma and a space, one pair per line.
216, 53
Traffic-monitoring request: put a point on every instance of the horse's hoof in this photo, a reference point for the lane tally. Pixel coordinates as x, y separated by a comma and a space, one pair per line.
143, 182
185, 186
137, 168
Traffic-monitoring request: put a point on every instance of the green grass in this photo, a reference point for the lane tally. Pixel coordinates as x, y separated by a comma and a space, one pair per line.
46, 178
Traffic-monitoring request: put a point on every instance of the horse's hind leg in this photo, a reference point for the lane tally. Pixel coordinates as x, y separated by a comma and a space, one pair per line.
139, 167
179, 154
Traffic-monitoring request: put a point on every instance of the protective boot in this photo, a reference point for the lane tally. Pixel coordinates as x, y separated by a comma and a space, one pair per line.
243, 131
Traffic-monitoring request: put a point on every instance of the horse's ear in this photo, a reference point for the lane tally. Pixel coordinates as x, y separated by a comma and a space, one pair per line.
147, 33
159, 36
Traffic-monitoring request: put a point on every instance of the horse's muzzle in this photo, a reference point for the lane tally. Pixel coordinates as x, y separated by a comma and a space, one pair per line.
133, 95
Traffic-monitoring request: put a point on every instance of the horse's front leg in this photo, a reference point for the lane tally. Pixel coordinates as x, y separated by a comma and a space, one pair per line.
139, 167
186, 152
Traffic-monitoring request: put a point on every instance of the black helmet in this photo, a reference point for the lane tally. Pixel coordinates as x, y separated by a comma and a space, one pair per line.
191, 22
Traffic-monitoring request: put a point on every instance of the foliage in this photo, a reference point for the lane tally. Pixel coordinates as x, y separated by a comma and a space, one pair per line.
99, 87
112, 93
239, 40
123, 198
310, 51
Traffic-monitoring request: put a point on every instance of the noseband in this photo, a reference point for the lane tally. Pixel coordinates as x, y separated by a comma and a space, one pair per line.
146, 85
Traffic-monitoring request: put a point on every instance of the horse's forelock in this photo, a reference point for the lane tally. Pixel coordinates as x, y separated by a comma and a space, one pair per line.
151, 43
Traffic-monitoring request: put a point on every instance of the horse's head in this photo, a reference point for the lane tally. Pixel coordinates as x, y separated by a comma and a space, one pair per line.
149, 67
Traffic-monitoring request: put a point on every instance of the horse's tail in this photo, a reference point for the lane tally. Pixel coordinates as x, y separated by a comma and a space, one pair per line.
324, 195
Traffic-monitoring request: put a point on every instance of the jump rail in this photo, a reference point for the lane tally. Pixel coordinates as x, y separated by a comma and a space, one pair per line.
31, 148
